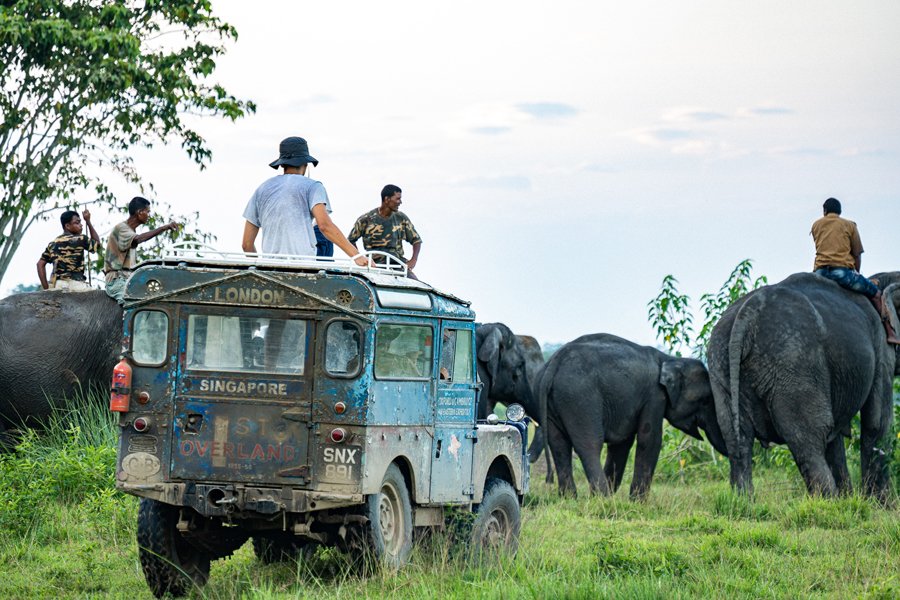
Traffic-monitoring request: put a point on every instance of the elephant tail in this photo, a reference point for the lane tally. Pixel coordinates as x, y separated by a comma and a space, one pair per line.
747, 316
542, 388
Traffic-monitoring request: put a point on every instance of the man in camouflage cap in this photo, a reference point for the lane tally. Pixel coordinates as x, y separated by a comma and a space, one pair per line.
66, 254
121, 256
386, 228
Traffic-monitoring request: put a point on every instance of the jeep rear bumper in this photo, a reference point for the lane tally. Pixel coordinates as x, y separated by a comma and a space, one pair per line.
211, 500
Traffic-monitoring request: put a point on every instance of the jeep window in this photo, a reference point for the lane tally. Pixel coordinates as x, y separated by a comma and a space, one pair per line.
150, 337
342, 346
246, 344
403, 351
456, 356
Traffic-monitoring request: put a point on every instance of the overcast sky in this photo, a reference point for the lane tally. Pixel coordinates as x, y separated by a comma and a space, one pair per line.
559, 159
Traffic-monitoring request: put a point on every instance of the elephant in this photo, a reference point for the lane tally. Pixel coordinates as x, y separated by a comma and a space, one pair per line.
792, 363
602, 389
505, 363
51, 344
507, 366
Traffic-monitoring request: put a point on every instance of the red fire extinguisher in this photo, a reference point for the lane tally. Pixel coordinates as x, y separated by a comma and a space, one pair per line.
121, 387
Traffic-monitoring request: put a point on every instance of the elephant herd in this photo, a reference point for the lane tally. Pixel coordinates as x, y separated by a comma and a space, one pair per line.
790, 363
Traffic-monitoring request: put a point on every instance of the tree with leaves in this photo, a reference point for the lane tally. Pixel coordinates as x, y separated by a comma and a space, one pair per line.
84, 82
671, 317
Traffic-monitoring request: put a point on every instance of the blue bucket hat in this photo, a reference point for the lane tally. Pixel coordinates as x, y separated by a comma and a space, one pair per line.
293, 151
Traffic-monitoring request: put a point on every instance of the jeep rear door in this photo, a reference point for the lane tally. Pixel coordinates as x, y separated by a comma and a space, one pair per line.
242, 403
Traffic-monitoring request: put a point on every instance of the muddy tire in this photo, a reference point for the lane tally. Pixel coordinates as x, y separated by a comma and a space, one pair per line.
495, 528
390, 530
170, 563
281, 547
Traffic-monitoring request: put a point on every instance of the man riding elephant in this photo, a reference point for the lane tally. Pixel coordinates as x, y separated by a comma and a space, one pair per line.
839, 258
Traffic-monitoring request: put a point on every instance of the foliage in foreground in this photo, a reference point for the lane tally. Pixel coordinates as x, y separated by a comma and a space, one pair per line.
73, 537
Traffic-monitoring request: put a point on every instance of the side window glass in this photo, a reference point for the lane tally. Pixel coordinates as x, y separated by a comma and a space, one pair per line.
150, 337
342, 346
462, 357
456, 356
403, 351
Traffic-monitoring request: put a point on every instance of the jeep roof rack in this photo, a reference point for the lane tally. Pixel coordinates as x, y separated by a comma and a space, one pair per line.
201, 253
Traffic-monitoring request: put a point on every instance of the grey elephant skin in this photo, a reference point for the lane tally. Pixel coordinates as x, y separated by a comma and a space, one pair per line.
52, 343
602, 389
506, 363
792, 363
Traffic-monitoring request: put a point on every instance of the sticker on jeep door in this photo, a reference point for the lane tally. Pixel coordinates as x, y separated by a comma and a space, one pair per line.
340, 465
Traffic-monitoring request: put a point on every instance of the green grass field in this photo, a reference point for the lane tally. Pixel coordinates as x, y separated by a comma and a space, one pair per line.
65, 533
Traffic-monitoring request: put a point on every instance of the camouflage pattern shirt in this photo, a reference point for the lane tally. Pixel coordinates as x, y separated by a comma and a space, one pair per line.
67, 255
119, 253
384, 234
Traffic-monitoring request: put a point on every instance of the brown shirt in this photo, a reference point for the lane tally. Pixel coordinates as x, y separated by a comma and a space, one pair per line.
837, 242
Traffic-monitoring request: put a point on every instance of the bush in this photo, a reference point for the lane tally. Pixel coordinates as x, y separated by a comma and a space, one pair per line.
72, 459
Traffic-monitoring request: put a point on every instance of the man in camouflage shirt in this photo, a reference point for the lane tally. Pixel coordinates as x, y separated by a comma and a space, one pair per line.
386, 228
66, 254
121, 256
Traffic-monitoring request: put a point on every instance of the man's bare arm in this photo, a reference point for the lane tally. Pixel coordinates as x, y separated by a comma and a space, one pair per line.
411, 263
149, 235
249, 242
42, 273
335, 235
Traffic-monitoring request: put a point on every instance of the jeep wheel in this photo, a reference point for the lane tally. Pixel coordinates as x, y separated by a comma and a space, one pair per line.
390, 520
170, 563
495, 530
281, 547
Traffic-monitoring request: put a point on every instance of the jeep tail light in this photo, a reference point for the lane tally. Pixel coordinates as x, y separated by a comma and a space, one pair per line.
141, 424
340, 408
337, 435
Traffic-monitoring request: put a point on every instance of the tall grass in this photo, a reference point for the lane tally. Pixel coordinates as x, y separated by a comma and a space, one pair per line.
66, 533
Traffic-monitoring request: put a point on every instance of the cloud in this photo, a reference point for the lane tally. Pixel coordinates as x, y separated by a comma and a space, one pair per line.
547, 110
515, 183
764, 111
490, 130
655, 136
693, 115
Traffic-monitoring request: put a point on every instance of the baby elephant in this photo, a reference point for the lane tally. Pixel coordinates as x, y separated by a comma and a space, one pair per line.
602, 389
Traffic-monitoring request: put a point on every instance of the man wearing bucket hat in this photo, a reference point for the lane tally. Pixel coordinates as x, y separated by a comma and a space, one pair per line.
285, 205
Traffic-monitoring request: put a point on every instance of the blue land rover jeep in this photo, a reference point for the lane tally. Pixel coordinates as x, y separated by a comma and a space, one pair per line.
301, 402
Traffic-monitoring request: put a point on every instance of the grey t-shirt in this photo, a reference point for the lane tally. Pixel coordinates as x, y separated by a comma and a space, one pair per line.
282, 208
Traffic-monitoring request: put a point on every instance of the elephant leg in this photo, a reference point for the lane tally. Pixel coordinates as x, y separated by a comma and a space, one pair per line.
616, 460
802, 415
649, 442
589, 453
561, 447
837, 460
875, 448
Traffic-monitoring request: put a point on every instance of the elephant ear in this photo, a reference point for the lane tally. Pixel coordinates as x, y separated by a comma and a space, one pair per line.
672, 379
489, 349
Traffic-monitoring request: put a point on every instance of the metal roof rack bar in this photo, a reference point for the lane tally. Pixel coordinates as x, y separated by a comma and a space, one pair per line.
388, 265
